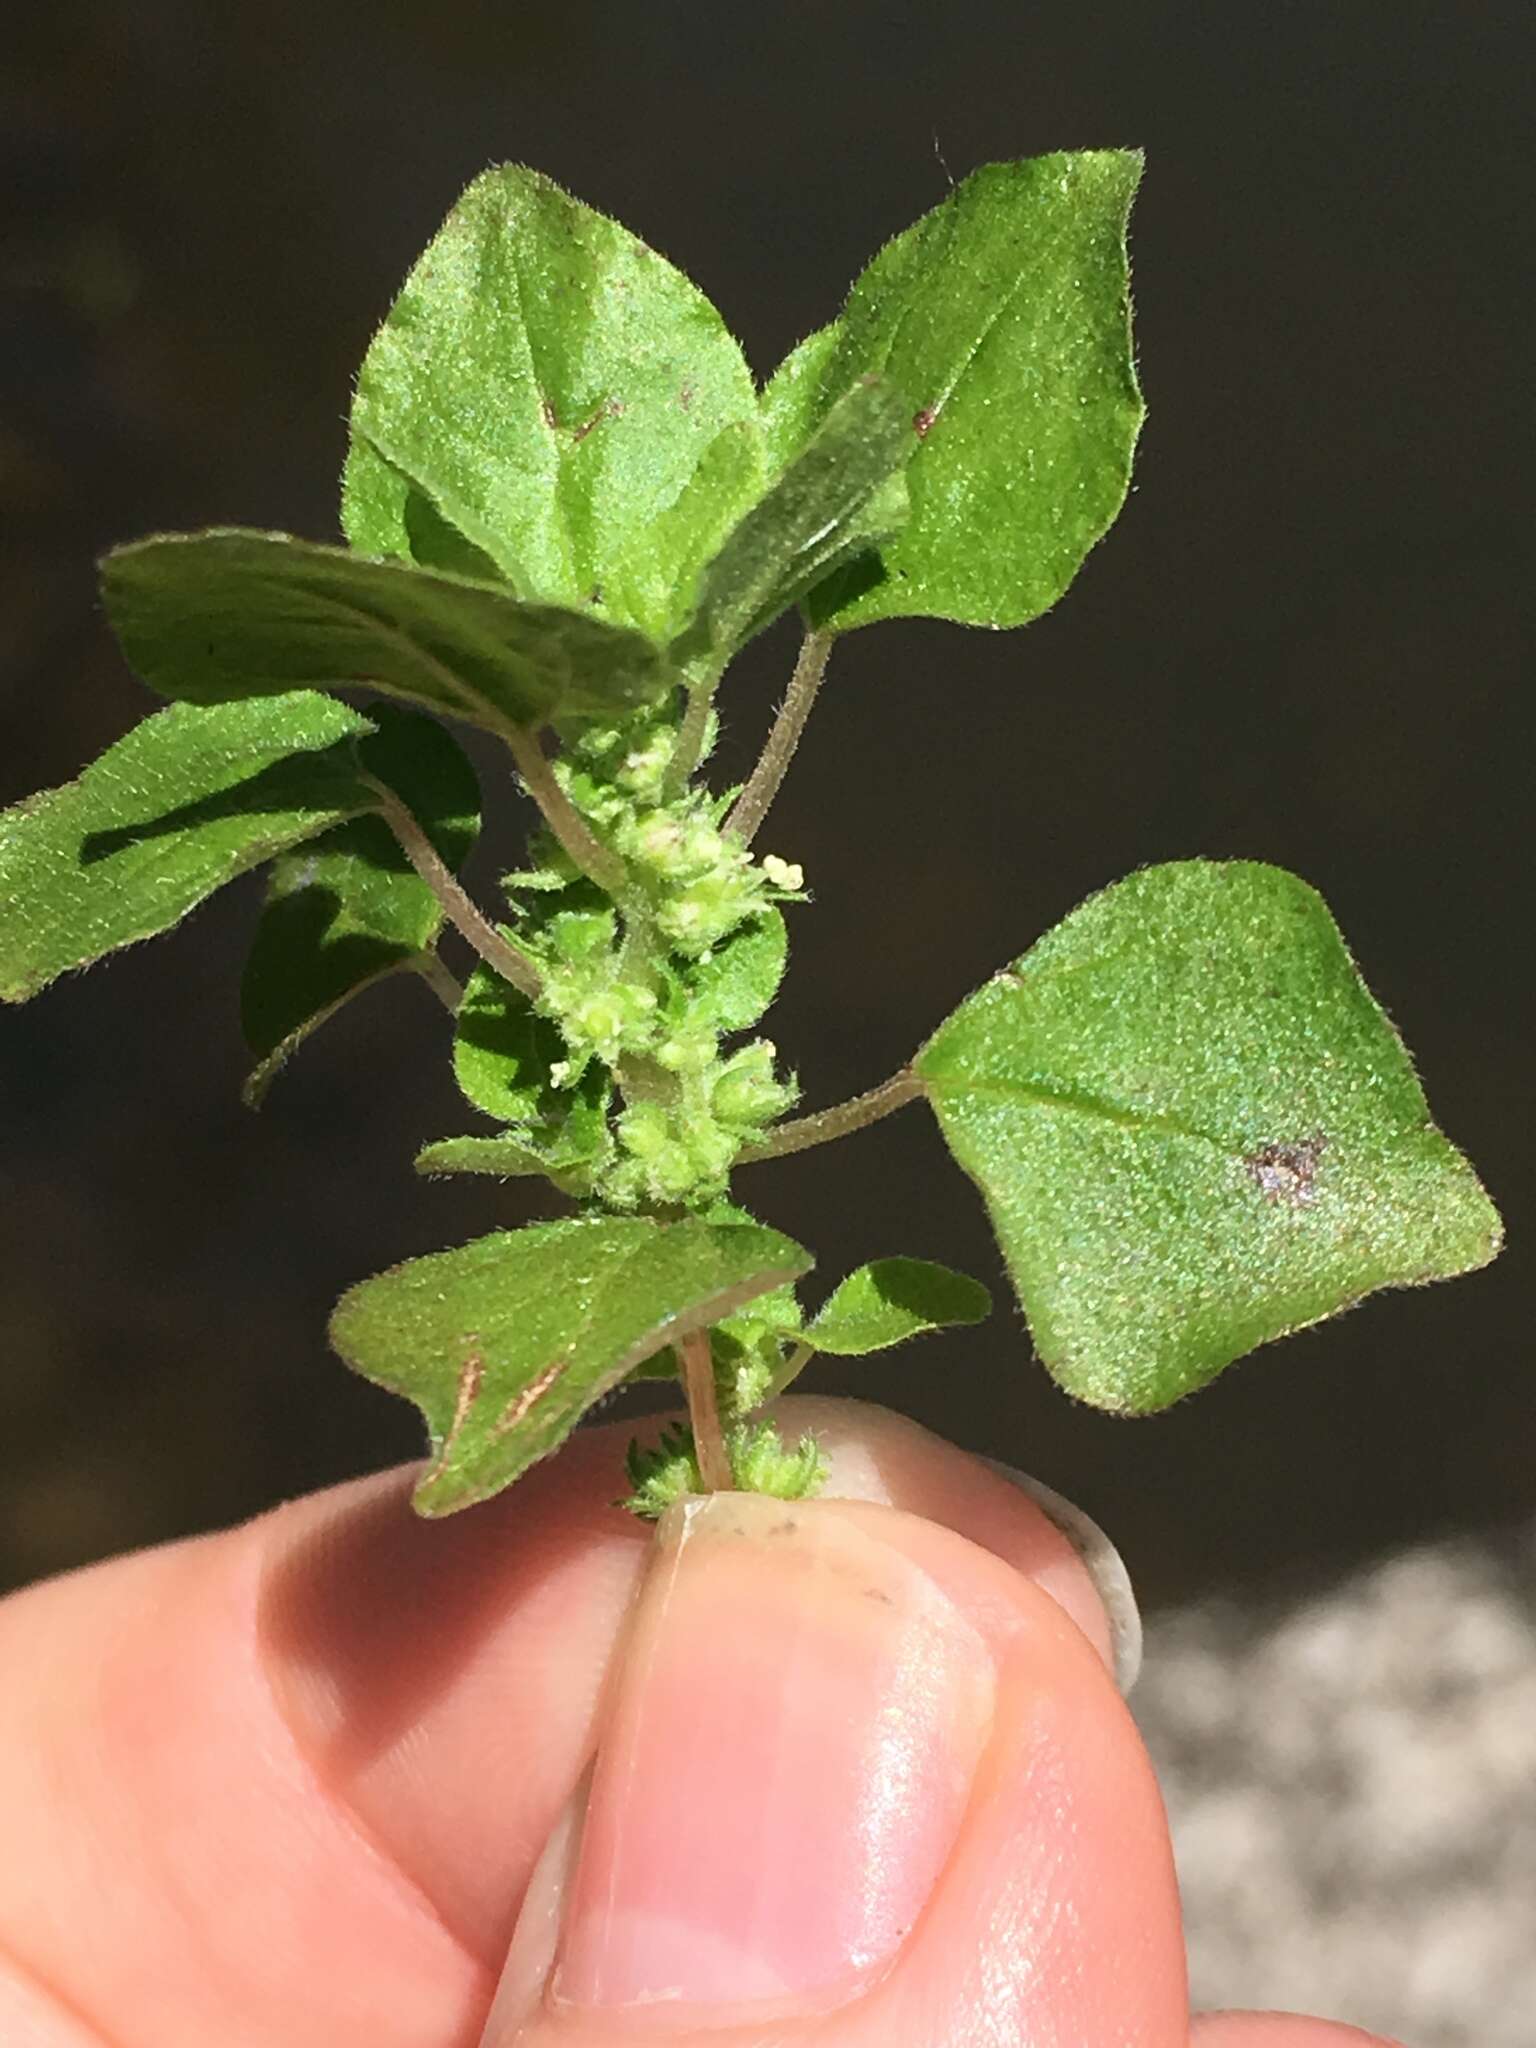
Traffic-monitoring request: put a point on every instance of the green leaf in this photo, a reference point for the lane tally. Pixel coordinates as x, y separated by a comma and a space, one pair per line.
349, 910
505, 1343
1195, 1131
552, 386
569, 1145
501, 1158
503, 1051
793, 400
1004, 313
215, 616
738, 982
184, 803
890, 1300
826, 504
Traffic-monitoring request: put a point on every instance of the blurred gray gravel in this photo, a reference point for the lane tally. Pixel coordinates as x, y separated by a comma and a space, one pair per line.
1351, 1779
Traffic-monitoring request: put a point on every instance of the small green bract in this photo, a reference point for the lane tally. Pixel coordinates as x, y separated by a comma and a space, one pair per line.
567, 506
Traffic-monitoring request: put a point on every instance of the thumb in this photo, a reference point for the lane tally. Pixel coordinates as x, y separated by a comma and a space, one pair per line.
859, 1782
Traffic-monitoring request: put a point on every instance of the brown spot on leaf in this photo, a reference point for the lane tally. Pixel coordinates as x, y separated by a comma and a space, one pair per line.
471, 1373
518, 1408
685, 398
610, 409
1287, 1172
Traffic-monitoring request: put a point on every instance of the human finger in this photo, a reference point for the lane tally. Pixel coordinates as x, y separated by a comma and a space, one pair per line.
308, 1765
858, 1781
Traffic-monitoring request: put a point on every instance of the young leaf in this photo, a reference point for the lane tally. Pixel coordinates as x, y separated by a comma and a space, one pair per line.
503, 1051
501, 1158
349, 909
1004, 313
550, 384
569, 1143
184, 803
890, 1300
826, 504
505, 1343
215, 616
738, 982
1195, 1131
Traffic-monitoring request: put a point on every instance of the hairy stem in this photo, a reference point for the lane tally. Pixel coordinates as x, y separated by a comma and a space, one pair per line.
751, 807
689, 749
595, 860
461, 911
443, 984
840, 1122
794, 1363
704, 1412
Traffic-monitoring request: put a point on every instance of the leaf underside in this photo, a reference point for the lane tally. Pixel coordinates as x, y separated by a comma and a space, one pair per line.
1195, 1130
211, 617
505, 1343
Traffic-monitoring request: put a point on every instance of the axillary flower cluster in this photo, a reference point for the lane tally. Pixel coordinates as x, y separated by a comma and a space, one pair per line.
644, 989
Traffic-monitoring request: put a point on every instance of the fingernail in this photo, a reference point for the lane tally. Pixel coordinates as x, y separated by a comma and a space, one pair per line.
1104, 1565
786, 1765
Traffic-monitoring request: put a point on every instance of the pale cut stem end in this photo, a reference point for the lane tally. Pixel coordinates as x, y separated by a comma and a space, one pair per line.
704, 1412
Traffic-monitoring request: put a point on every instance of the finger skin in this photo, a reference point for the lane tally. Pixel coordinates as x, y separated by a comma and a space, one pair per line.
1055, 1919
288, 1784
1278, 2030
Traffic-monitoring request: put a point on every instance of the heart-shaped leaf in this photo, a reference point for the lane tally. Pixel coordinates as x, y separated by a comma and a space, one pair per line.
185, 802
505, 1343
349, 909
1195, 1130
211, 617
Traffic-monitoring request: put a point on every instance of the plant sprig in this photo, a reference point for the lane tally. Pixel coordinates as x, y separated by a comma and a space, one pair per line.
567, 507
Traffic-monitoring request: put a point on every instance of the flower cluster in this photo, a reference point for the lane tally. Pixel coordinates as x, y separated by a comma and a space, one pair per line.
637, 987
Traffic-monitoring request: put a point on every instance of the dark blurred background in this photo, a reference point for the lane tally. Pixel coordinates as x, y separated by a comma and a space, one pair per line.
1305, 641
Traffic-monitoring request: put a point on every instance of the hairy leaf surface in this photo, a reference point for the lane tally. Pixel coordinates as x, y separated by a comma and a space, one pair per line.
555, 389
211, 617
740, 979
185, 802
349, 910
1195, 1130
505, 1343
838, 495
890, 1300
1004, 315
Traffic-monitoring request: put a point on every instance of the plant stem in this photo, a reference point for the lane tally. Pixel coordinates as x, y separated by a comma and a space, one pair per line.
839, 1122
690, 737
461, 911
594, 859
704, 1412
443, 984
751, 806
798, 1358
